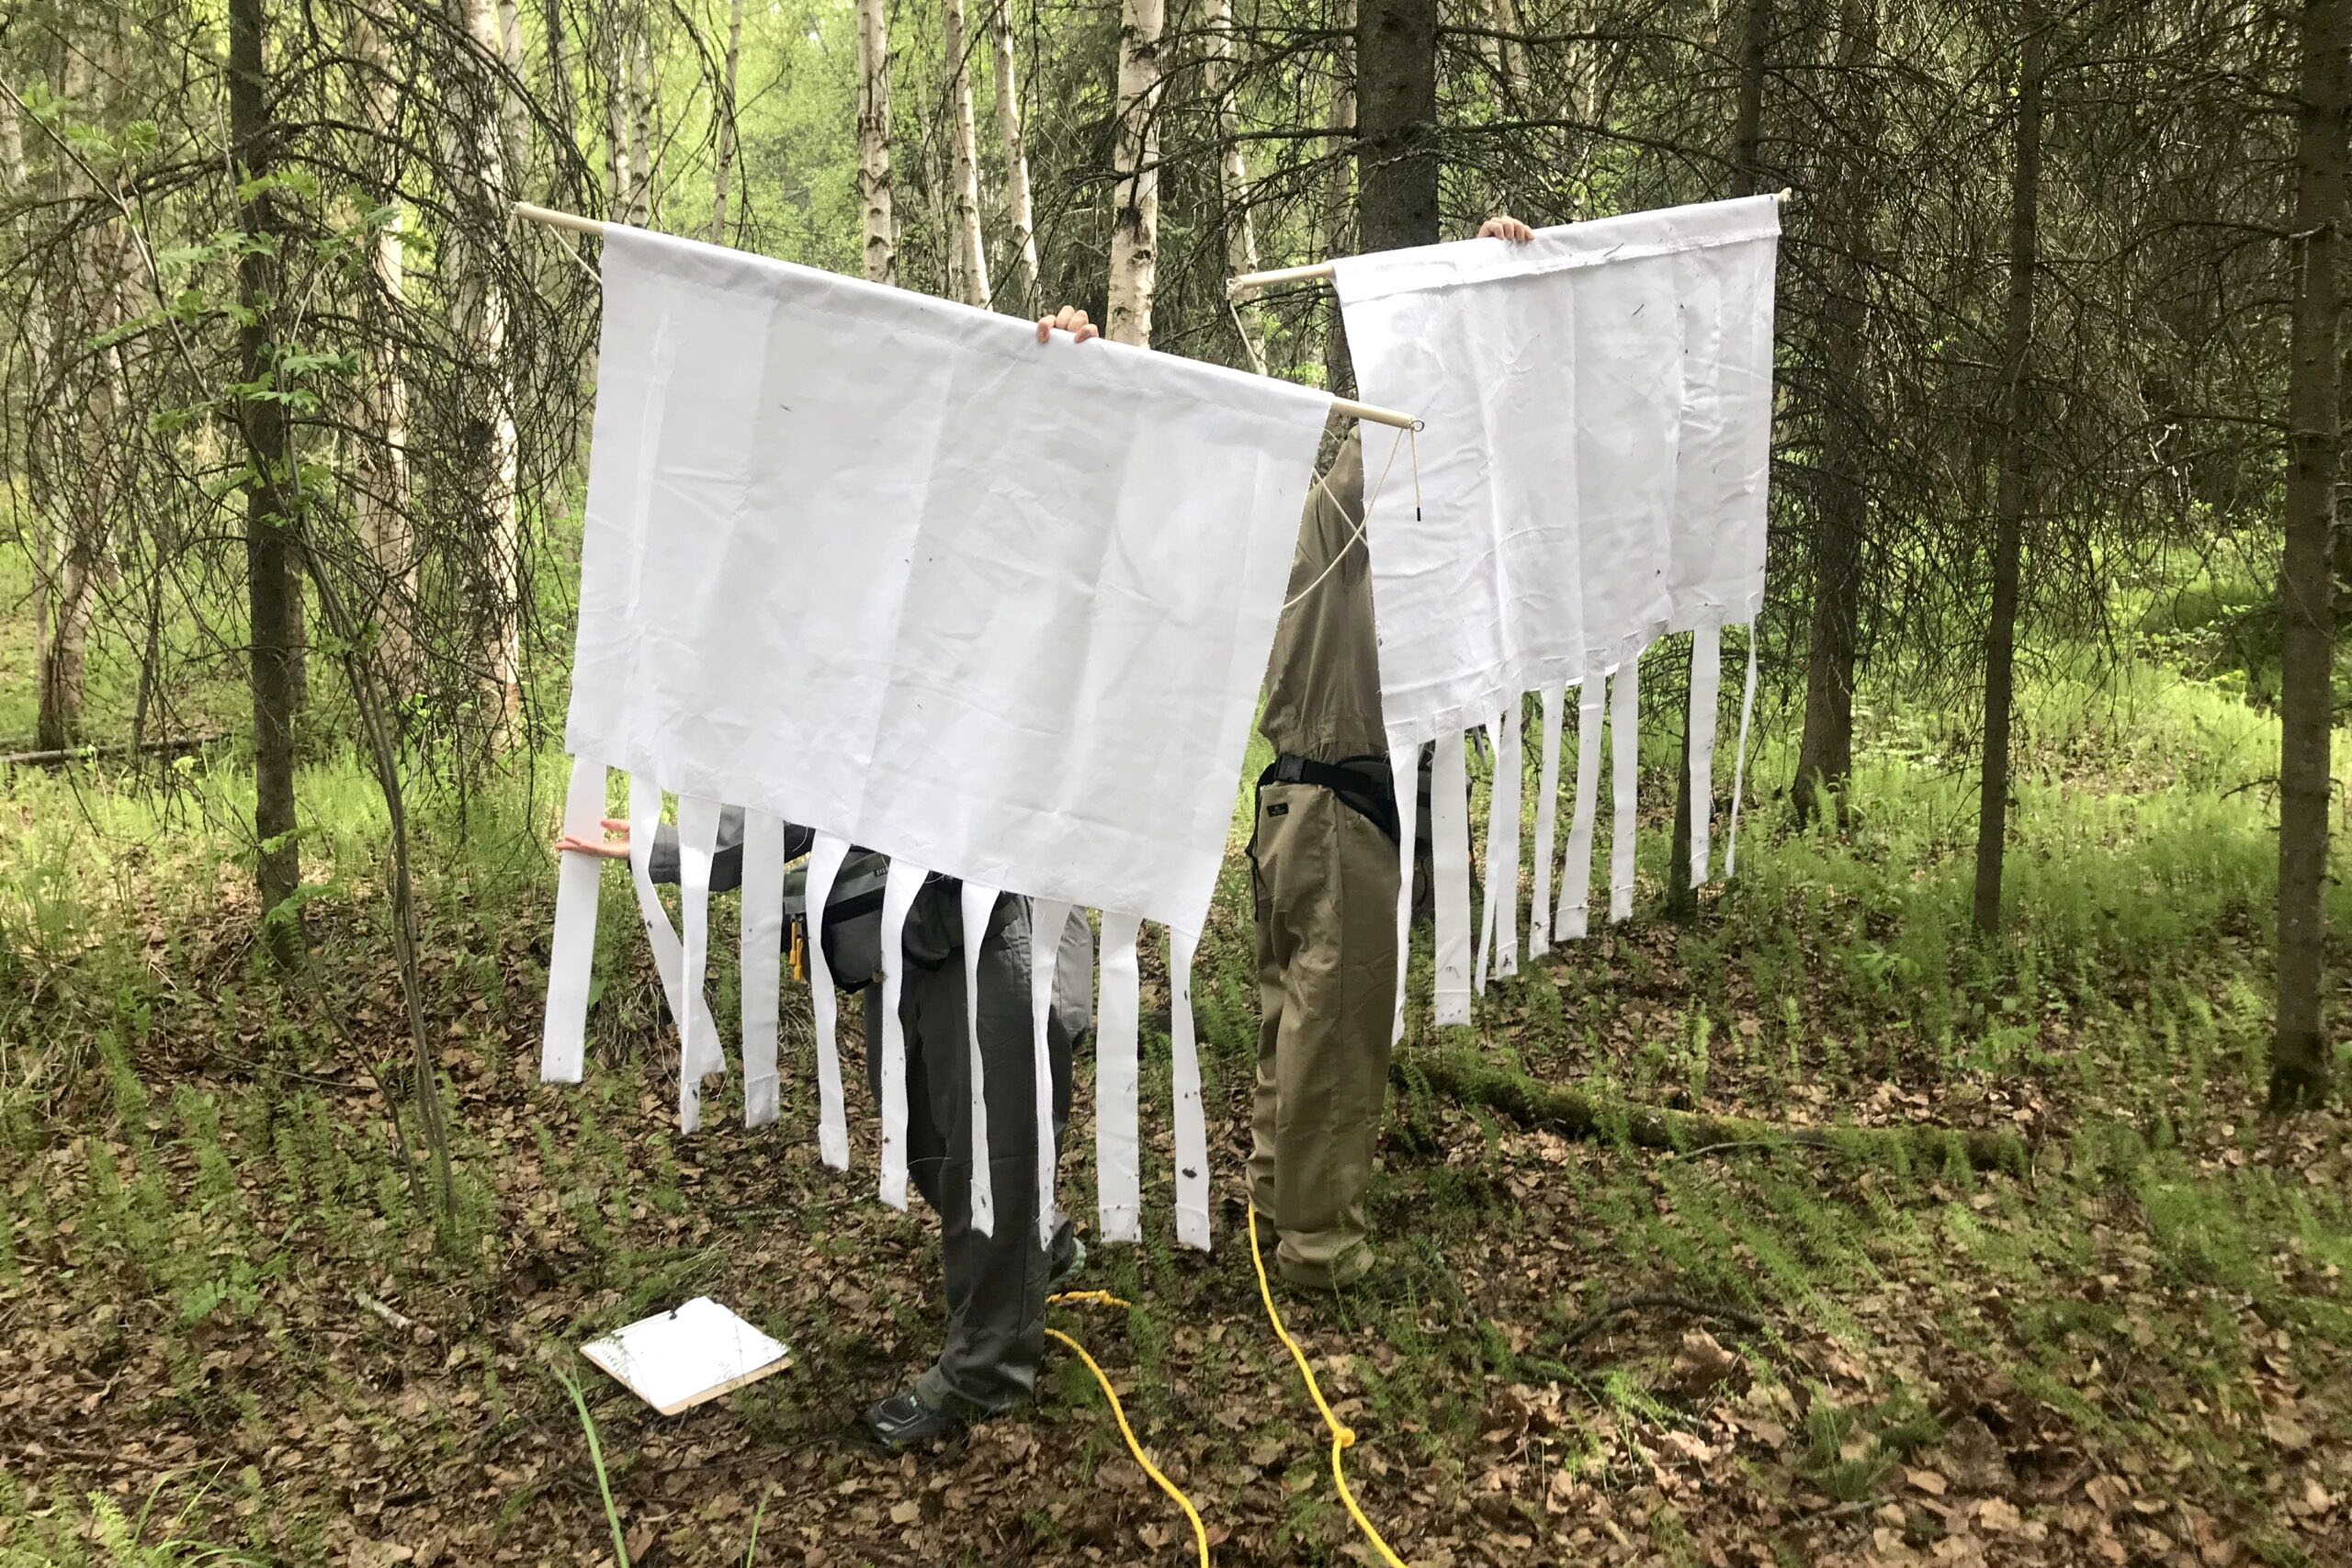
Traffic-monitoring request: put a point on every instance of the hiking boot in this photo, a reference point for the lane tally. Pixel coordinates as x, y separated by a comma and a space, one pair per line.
903, 1421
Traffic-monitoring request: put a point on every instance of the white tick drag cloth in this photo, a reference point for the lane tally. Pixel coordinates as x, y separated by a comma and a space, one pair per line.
887, 567
1597, 406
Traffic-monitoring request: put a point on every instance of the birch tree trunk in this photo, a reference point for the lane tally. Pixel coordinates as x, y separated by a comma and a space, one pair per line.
485, 459
968, 256
2011, 491
879, 224
269, 548
380, 499
645, 203
1019, 210
1233, 174
1134, 234
620, 174
726, 171
2299, 1051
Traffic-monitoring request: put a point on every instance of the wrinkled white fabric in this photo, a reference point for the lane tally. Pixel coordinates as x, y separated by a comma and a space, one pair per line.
1576, 873
1739, 760
1706, 689
1190, 1120
698, 1049
763, 981
1625, 766
563, 1046
1404, 783
1597, 407
1047, 918
1118, 1169
825, 856
885, 565
668, 955
904, 880
979, 908
1547, 792
1449, 870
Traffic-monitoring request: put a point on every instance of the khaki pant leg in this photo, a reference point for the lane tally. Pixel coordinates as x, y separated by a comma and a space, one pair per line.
1328, 897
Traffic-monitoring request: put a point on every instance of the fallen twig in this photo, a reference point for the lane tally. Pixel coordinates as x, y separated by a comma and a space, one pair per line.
1590, 1324
58, 755
394, 1320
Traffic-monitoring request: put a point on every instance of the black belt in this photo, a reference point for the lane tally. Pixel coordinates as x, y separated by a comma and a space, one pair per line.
1371, 795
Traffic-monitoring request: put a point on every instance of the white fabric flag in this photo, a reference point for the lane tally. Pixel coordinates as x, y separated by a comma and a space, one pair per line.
1597, 417
1118, 1169
886, 567
1576, 875
1706, 689
978, 910
1539, 911
1624, 763
563, 1047
903, 881
762, 933
1190, 1120
825, 856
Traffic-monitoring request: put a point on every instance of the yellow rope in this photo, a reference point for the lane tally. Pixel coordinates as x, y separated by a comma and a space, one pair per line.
1118, 1412
1343, 1436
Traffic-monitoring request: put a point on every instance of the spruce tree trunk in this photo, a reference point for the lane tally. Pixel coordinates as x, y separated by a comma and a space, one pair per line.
1746, 137
2300, 1050
1396, 163
877, 221
2011, 494
1338, 371
1135, 234
1841, 498
269, 547
1019, 209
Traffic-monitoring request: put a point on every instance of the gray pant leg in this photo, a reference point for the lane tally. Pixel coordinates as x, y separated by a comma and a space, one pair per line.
996, 1285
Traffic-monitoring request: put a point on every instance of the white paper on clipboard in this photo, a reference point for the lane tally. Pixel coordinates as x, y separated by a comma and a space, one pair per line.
676, 1360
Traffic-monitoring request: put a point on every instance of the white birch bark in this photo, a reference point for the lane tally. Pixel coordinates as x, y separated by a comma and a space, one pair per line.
1134, 235
726, 171
879, 224
1019, 211
968, 257
1233, 174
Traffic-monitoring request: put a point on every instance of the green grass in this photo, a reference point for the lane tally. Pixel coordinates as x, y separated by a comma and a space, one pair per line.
199, 1172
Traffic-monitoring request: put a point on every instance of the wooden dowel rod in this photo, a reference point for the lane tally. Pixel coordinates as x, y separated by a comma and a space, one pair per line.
590, 226
550, 217
1323, 269
1376, 415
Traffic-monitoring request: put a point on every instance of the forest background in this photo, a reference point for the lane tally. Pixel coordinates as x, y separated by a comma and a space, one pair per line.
2035, 898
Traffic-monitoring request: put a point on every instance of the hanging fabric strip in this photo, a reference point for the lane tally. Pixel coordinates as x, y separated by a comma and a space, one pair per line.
1547, 789
899, 890
980, 908
1739, 763
1047, 918
1576, 875
1191, 1125
1706, 691
1625, 762
563, 1046
1117, 1165
669, 957
1483, 953
825, 855
1450, 853
763, 928
699, 1053
1404, 780
1503, 853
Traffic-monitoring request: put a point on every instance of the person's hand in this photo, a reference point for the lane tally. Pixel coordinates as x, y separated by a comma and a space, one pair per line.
614, 846
1502, 226
1069, 319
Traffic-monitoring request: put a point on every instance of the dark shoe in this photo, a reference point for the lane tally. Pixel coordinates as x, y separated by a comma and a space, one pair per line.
1068, 1267
903, 1421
